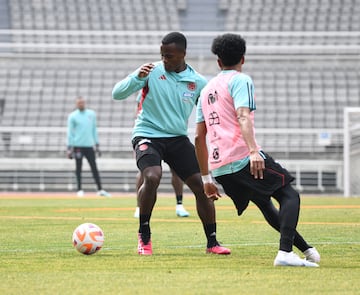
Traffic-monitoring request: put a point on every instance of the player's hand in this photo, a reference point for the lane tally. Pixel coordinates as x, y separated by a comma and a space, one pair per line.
145, 70
257, 165
211, 191
70, 153
97, 150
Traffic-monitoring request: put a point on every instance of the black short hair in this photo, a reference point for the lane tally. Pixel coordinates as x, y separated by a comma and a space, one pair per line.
177, 38
230, 48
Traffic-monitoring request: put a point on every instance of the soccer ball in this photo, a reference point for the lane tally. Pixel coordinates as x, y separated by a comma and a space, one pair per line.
88, 238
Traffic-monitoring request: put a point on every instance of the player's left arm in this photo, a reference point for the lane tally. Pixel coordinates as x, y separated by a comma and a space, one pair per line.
242, 91
257, 163
95, 131
69, 144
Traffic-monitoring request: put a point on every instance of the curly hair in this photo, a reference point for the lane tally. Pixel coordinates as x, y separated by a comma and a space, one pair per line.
230, 48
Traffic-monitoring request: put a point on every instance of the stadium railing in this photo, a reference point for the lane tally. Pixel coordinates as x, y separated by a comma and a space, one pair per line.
147, 42
38, 151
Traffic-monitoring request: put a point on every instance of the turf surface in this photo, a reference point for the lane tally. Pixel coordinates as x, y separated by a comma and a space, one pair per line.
37, 256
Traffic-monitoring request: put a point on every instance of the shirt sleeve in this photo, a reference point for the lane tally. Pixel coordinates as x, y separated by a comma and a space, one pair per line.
69, 142
128, 86
199, 112
241, 88
95, 132
199, 116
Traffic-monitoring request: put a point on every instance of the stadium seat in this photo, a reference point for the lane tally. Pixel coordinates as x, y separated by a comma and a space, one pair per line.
290, 93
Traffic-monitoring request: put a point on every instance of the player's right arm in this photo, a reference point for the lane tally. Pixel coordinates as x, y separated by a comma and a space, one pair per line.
70, 145
132, 83
202, 155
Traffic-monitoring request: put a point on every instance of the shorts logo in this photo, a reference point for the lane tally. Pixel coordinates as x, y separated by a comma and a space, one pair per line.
143, 147
191, 86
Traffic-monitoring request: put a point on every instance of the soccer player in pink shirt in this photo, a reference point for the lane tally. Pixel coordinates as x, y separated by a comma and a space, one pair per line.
226, 145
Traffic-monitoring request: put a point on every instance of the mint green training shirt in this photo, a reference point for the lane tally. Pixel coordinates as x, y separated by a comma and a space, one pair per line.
165, 102
81, 129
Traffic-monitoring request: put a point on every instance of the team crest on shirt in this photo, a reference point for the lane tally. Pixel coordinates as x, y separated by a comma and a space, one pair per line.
191, 86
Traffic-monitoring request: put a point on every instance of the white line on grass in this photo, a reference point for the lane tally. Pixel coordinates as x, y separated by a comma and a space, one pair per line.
171, 247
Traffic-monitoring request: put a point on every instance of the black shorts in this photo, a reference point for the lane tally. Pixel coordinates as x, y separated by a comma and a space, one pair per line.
242, 187
178, 152
87, 152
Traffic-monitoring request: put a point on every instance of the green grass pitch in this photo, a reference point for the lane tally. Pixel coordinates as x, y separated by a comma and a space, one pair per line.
37, 256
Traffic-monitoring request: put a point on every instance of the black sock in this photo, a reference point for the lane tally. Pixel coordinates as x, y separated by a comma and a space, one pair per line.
300, 243
144, 228
179, 199
210, 231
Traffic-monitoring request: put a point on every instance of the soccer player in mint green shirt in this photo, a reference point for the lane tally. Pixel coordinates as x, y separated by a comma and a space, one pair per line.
169, 90
82, 141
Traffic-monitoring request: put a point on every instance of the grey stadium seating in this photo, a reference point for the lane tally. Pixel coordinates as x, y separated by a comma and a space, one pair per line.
302, 56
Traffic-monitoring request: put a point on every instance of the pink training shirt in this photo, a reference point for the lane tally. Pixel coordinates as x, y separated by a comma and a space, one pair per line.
220, 98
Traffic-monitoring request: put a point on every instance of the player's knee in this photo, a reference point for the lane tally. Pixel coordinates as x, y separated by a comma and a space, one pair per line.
195, 184
293, 195
151, 178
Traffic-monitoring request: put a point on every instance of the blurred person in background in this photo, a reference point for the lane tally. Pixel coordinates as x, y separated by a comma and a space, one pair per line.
82, 141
